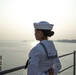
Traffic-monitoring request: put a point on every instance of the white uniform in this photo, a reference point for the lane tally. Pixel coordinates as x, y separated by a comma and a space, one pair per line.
38, 62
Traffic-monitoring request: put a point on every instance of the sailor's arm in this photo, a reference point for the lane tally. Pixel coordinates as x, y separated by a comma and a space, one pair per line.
56, 66
33, 64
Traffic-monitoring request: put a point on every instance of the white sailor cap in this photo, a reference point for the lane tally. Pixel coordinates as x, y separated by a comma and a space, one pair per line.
43, 25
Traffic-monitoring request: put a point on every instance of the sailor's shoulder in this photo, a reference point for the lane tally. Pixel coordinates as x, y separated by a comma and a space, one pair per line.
38, 48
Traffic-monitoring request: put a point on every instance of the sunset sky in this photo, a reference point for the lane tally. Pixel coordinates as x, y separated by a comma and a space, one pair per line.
17, 18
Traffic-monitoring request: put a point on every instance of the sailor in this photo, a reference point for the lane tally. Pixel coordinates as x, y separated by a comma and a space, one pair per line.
43, 58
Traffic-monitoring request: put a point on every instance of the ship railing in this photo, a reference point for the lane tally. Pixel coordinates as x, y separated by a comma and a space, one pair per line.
22, 67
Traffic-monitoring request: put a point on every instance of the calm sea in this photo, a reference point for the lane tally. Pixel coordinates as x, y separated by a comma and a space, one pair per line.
15, 53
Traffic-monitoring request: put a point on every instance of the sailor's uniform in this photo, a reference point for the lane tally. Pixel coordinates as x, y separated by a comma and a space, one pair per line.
39, 63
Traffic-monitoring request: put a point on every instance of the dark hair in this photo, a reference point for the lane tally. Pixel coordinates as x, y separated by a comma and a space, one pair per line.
48, 33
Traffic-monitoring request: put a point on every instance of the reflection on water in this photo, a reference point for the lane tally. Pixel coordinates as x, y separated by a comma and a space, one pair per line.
34, 43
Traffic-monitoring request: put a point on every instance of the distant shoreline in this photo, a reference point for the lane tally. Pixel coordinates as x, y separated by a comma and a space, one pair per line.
67, 41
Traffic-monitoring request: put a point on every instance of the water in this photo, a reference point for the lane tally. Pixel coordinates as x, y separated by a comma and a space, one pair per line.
15, 53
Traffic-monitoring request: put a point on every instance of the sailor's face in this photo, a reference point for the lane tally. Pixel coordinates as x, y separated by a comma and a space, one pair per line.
37, 34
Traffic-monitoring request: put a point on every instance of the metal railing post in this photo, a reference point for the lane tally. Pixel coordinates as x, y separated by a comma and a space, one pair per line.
0, 62
74, 64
